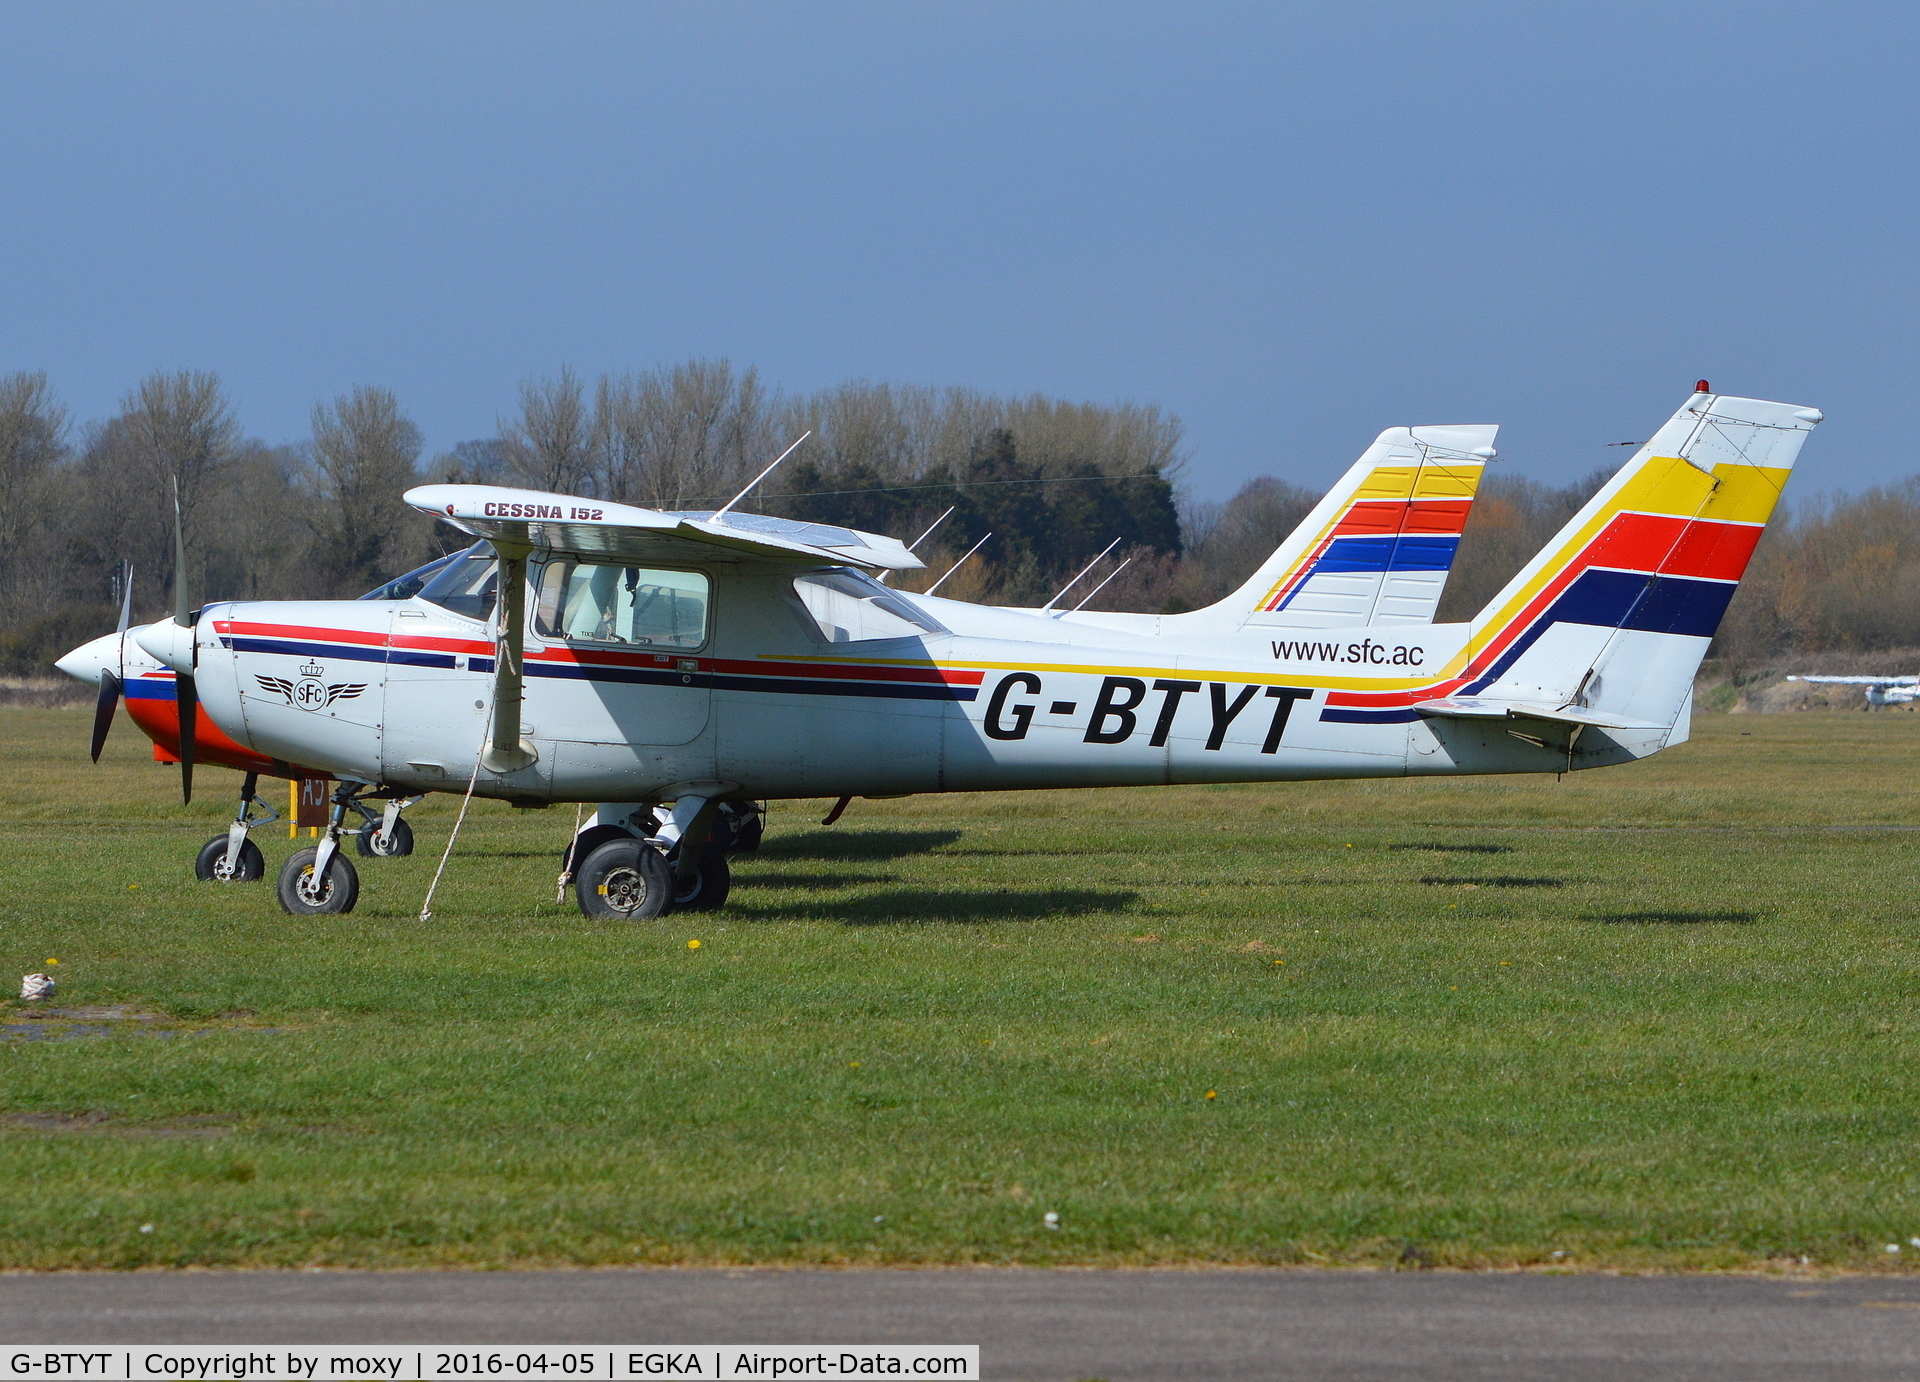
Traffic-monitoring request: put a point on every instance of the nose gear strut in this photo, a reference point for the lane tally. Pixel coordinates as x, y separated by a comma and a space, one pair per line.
231, 857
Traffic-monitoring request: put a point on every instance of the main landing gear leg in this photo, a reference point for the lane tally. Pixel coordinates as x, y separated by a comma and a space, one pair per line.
701, 879
231, 857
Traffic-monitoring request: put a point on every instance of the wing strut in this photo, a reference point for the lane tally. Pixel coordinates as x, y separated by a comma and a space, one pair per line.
508, 752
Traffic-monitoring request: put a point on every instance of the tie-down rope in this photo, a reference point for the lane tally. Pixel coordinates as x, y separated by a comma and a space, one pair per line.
486, 733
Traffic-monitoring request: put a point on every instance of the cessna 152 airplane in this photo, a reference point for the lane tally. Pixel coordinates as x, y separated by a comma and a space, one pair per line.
1881, 691
665, 664
1382, 539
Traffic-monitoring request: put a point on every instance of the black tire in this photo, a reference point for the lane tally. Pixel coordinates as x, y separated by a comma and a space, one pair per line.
624, 880
210, 867
377, 844
341, 890
737, 829
707, 890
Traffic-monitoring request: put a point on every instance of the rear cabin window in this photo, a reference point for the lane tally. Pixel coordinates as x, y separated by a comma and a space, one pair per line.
587, 602
850, 607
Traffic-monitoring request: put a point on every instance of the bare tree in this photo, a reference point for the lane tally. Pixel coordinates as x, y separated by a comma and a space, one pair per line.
32, 442
364, 451
178, 431
677, 438
550, 445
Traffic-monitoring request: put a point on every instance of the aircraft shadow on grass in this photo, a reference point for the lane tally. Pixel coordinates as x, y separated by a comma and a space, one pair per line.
1672, 918
1496, 880
918, 908
856, 844
1458, 849
809, 882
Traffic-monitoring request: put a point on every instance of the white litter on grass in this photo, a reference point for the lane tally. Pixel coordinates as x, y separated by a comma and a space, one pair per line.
34, 986
1053, 1220
1914, 1241
1893, 1247
146, 1228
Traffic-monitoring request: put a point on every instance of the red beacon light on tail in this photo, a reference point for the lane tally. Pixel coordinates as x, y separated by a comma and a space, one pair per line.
1701, 387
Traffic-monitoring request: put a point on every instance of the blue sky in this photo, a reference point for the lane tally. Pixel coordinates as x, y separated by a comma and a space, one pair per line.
1290, 225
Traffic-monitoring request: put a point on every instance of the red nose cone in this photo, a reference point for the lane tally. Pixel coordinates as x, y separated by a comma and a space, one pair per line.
1701, 387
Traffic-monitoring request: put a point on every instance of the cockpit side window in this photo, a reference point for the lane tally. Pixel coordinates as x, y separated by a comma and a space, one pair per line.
848, 606
467, 585
588, 602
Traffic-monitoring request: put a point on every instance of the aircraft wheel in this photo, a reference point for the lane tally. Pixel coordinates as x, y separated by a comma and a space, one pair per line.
624, 880
302, 895
707, 890
378, 844
249, 867
747, 838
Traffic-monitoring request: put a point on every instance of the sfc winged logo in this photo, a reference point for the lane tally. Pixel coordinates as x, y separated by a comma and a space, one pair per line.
311, 693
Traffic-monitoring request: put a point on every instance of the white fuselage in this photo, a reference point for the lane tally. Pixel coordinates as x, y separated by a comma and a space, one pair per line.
398, 692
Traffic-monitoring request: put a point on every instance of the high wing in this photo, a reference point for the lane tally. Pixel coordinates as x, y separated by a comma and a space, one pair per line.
1863, 681
620, 532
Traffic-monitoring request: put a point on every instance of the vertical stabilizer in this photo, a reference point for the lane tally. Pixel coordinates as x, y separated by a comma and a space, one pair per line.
1615, 614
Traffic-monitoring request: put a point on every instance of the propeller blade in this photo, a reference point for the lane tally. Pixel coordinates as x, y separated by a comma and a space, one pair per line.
181, 606
103, 708
189, 696
126, 595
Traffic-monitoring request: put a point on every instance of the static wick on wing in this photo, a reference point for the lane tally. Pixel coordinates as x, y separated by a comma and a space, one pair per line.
720, 514
956, 566
1077, 579
1103, 585
923, 537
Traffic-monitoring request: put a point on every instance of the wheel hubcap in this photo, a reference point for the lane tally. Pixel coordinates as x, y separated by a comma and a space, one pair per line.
626, 889
310, 890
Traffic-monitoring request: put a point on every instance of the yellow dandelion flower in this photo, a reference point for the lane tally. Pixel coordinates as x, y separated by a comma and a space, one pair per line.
1211, 1094
693, 945
52, 961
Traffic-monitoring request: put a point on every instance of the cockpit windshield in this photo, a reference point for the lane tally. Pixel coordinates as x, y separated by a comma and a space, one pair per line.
407, 586
467, 584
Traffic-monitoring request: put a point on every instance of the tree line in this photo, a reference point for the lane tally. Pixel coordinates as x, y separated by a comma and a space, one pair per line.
1038, 485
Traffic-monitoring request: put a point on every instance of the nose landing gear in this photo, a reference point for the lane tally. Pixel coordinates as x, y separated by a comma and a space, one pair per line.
387, 836
230, 857
321, 881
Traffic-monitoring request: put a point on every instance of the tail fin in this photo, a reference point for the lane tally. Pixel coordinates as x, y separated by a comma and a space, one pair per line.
1609, 623
1378, 547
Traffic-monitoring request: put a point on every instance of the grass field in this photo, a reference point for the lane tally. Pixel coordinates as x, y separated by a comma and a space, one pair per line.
1658, 1016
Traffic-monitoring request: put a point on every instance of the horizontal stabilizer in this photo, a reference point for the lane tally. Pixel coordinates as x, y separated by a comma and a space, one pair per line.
1862, 681
594, 528
1476, 708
